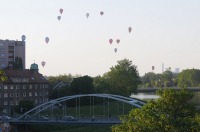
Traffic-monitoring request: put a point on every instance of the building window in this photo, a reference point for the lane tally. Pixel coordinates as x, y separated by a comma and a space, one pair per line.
30, 86
35, 93
2, 54
24, 94
24, 86
36, 101
5, 103
40, 93
17, 102
40, 100
11, 86
17, 94
5, 95
11, 103
11, 94
35, 86
17, 86
30, 94
5, 87
47, 92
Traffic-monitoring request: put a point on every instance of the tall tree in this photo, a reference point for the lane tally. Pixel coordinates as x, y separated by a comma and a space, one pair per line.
82, 85
170, 113
189, 78
101, 85
123, 78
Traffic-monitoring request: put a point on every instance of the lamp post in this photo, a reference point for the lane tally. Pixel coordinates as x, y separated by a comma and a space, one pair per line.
22, 110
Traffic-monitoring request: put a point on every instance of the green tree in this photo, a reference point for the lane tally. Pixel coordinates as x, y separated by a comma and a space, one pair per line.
189, 78
82, 85
101, 85
24, 106
123, 78
2, 76
151, 79
65, 78
170, 113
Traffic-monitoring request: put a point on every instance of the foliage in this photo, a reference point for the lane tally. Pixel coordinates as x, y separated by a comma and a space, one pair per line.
101, 85
170, 113
82, 85
123, 78
24, 106
18, 64
189, 78
2, 76
166, 79
65, 78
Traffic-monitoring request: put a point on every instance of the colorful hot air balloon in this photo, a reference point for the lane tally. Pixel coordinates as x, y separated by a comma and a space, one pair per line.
59, 17
110, 41
153, 67
61, 11
115, 50
118, 40
43, 63
101, 12
47, 40
87, 15
129, 29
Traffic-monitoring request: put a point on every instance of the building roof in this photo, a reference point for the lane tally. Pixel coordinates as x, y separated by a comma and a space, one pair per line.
29, 75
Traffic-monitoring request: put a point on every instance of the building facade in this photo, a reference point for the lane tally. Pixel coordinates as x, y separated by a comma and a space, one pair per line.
24, 84
9, 50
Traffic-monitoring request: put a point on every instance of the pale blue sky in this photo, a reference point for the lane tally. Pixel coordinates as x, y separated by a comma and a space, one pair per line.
164, 31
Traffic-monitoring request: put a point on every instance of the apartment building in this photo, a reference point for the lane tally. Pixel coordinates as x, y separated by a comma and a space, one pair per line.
9, 50
26, 84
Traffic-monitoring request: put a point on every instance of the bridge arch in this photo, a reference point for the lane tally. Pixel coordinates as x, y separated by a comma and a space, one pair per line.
132, 101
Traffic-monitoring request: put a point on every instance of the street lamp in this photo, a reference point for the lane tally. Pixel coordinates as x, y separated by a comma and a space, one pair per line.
22, 110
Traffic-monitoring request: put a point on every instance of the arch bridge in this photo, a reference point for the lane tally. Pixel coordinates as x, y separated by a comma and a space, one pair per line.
100, 109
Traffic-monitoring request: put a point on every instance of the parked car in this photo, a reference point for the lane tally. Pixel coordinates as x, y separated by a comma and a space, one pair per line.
5, 117
42, 118
69, 118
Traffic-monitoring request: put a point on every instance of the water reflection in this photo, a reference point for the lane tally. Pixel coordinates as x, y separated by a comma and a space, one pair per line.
143, 96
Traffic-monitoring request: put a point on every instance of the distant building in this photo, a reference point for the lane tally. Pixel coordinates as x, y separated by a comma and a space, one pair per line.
9, 50
177, 70
23, 85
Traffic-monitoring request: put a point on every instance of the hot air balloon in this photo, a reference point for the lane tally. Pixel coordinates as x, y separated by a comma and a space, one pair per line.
101, 12
110, 41
43, 63
23, 37
118, 40
87, 15
153, 67
129, 29
47, 39
59, 17
115, 50
61, 11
